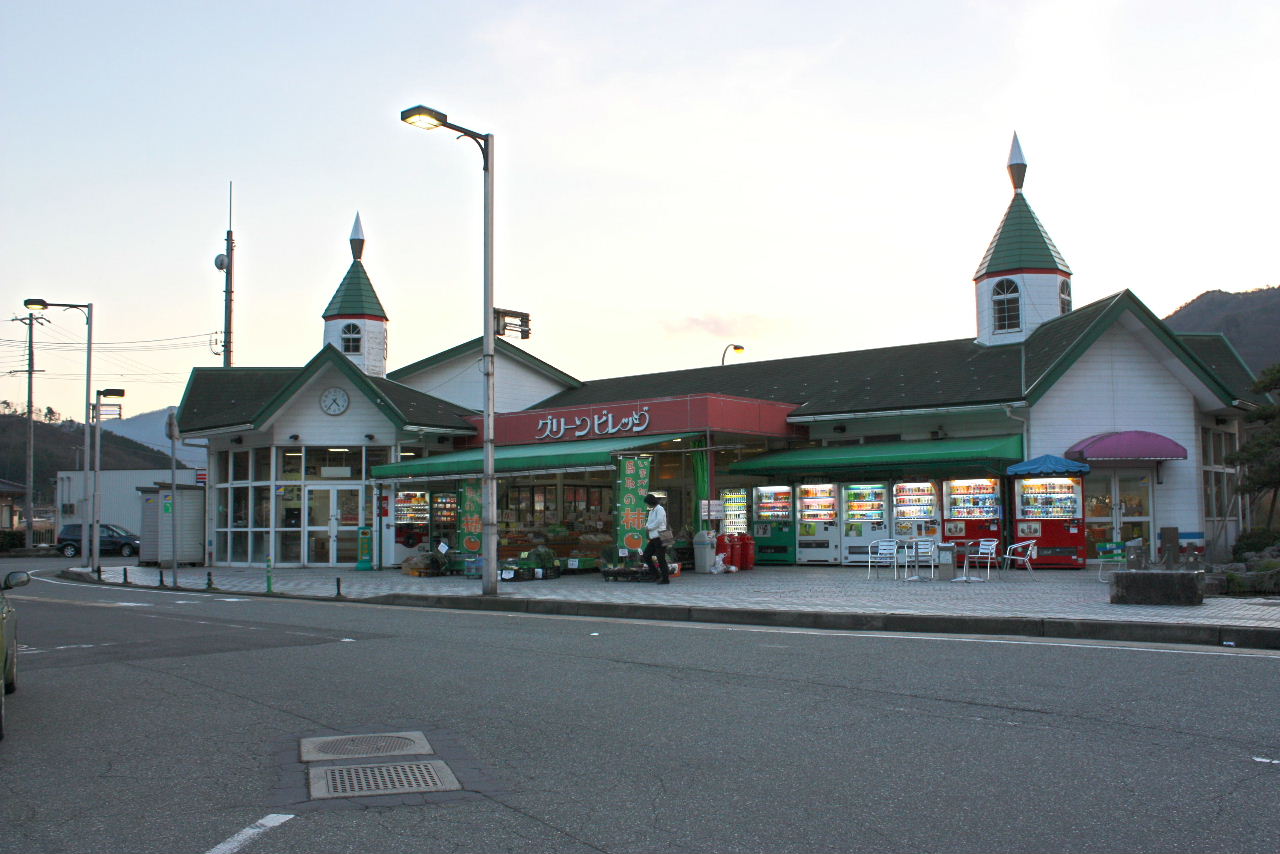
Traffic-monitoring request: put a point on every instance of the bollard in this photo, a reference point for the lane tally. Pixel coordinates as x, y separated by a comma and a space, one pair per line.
98, 570
208, 581
268, 579
125, 570
339, 583
160, 582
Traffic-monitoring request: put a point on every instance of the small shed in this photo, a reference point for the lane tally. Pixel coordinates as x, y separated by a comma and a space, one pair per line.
161, 513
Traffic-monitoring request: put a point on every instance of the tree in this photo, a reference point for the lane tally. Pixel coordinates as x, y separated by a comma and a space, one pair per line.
6, 408
1260, 453
51, 415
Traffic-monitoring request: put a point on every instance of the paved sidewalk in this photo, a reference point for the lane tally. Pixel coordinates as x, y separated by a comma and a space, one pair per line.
1061, 595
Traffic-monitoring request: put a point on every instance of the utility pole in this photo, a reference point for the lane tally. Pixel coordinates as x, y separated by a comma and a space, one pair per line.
226, 264
28, 510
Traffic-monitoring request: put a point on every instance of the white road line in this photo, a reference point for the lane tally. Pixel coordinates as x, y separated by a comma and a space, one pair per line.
242, 838
1266, 760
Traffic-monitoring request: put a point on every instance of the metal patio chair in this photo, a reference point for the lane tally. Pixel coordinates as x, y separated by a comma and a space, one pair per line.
985, 553
882, 553
1019, 556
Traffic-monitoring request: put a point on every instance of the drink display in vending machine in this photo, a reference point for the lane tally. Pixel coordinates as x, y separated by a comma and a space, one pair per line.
735, 510
818, 525
971, 509
1050, 510
864, 509
773, 522
915, 510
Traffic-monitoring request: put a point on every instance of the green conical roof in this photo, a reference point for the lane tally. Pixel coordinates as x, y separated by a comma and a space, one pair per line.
355, 296
1020, 243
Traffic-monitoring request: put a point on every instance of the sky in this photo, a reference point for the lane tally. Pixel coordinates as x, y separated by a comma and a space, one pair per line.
795, 177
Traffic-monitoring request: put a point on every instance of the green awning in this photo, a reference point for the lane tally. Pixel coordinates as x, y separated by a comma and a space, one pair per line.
513, 458
1003, 448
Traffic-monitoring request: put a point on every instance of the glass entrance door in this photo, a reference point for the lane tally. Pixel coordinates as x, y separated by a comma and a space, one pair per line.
1117, 507
332, 524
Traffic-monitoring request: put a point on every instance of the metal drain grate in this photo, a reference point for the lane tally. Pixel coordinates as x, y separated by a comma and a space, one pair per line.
359, 746
397, 778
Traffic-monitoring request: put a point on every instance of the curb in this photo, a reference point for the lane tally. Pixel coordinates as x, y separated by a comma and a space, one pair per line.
1243, 637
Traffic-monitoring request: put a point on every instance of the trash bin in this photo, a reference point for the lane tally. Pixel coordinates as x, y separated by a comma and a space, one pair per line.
704, 551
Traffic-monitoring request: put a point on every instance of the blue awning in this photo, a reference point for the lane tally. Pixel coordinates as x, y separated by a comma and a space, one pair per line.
1047, 465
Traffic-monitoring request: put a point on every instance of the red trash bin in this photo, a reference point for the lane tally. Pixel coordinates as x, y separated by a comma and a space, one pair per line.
736, 550
723, 547
748, 551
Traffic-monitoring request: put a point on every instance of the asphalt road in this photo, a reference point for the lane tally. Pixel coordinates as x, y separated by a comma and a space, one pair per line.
158, 721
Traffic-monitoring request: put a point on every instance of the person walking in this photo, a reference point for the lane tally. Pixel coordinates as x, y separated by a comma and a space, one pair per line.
656, 524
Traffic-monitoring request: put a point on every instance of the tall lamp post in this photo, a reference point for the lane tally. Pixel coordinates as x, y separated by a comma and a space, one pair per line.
737, 348
97, 470
87, 308
429, 119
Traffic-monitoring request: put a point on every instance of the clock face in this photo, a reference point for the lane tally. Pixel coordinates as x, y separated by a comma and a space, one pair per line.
334, 401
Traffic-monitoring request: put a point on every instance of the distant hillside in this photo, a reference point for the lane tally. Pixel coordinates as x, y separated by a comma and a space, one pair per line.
147, 428
1249, 319
59, 447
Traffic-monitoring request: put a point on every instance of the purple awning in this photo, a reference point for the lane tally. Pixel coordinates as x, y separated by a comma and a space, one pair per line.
1126, 445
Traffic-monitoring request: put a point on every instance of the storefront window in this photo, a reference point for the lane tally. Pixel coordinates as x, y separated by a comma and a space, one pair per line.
220, 547
239, 506
239, 465
220, 505
288, 507
290, 463
376, 457
258, 545
333, 464
239, 547
220, 469
262, 507
262, 464
288, 547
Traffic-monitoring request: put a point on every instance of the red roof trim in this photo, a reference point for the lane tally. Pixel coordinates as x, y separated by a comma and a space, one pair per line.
1021, 270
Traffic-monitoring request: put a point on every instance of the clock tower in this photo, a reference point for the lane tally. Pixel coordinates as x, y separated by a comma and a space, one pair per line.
355, 322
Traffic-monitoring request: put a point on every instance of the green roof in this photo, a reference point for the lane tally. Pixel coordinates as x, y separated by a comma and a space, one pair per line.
355, 296
512, 458
1020, 243
1215, 350
221, 398
888, 454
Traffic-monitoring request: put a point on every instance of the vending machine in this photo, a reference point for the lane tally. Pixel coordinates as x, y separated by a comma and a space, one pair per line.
773, 524
971, 509
817, 524
915, 509
444, 517
864, 509
1050, 510
735, 510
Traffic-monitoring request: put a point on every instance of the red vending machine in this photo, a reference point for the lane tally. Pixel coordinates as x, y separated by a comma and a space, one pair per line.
1050, 510
971, 509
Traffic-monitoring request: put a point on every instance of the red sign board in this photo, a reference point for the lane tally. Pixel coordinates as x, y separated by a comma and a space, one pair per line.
656, 416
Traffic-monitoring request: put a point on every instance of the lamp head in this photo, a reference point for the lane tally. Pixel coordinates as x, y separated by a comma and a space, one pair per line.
423, 117
110, 392
35, 304
737, 348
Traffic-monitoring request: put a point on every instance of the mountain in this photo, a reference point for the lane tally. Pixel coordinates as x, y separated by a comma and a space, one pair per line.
147, 428
1250, 319
60, 447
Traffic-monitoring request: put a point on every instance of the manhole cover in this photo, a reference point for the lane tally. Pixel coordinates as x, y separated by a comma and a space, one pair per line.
359, 746
396, 778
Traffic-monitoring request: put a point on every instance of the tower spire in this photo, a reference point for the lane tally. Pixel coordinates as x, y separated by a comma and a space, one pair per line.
1017, 165
357, 235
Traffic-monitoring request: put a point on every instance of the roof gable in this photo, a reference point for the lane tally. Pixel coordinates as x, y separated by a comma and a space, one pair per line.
1216, 351
476, 345
1057, 344
248, 398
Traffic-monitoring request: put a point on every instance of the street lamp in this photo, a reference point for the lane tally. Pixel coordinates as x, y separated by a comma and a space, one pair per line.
87, 308
429, 119
97, 469
737, 348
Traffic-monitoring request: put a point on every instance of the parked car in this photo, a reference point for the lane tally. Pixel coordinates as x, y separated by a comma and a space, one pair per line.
9, 638
111, 538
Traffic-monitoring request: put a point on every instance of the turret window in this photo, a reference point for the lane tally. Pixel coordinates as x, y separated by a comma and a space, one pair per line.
350, 338
1006, 313
1064, 296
